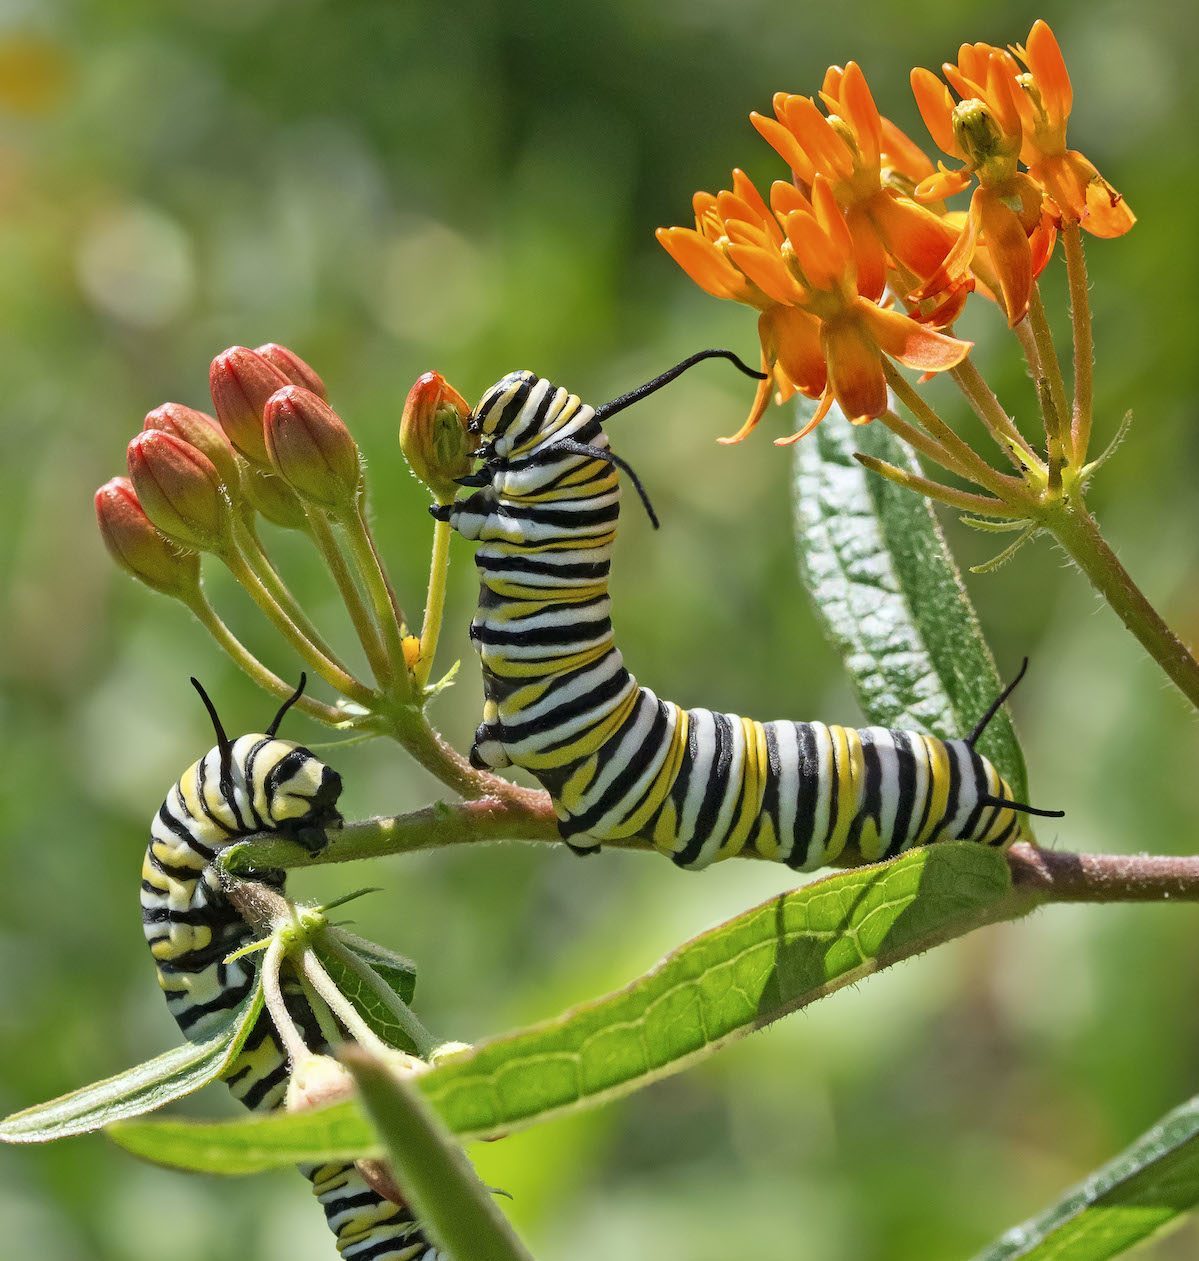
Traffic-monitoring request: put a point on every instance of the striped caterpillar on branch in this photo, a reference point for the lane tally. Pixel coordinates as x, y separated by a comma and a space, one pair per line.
249, 785
618, 761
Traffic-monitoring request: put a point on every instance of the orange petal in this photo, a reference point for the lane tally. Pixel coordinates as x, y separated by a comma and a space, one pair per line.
784, 198
702, 261
826, 401
1048, 66
743, 187
954, 271
904, 154
1002, 91
912, 343
859, 109
918, 238
870, 257
792, 338
831, 218
760, 403
945, 183
936, 108
785, 145
1108, 214
1011, 256
765, 267
821, 265
855, 368
828, 152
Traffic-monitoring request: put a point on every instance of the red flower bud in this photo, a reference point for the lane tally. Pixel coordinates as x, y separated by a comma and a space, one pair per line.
138, 547
295, 369
311, 448
433, 434
201, 431
179, 489
241, 381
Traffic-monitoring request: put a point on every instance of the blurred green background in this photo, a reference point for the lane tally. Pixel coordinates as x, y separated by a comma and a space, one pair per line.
390, 187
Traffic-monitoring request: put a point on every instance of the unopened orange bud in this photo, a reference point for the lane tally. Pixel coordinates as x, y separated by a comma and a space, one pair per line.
179, 489
317, 1080
241, 381
433, 435
201, 431
311, 448
298, 371
138, 547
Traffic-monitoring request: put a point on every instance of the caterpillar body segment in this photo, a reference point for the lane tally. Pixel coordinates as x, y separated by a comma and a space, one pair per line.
617, 760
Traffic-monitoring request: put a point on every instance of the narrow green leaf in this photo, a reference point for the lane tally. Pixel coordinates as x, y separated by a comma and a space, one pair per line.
452, 1205
882, 579
1144, 1189
394, 969
159, 1081
730, 980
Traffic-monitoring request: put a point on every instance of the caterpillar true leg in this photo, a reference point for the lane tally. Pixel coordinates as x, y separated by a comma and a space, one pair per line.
616, 760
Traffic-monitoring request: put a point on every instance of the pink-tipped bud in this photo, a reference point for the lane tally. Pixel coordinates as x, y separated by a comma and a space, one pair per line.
241, 381
179, 489
433, 434
138, 548
311, 448
298, 371
201, 431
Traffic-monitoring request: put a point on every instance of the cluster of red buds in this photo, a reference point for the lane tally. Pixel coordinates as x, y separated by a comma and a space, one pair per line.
197, 484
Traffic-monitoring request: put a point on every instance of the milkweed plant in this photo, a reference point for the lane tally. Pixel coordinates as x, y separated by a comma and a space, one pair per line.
858, 262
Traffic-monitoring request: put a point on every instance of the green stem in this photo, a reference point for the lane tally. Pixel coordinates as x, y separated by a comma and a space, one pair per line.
990, 411
339, 1005
370, 567
1051, 388
966, 461
364, 627
961, 499
333, 674
1077, 532
427, 745
430, 630
453, 1205
251, 547
1084, 345
272, 997
247, 662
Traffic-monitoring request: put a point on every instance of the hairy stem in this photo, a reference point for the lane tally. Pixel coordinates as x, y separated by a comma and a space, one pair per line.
1084, 345
1075, 529
961, 499
430, 631
990, 411
1051, 389
374, 576
366, 630
247, 662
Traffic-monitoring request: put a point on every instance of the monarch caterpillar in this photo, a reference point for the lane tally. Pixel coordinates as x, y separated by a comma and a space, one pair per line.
254, 783
616, 760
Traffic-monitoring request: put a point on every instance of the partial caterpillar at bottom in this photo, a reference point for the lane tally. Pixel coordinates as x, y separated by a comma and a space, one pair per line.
616, 760
253, 784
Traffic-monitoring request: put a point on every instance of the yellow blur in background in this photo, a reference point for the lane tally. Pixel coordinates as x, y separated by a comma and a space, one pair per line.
390, 188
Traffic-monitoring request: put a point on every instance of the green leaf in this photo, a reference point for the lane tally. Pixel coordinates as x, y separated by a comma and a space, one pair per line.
454, 1208
1143, 1189
159, 1081
722, 985
394, 969
890, 596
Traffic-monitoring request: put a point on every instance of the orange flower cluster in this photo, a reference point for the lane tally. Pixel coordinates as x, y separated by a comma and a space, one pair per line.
865, 214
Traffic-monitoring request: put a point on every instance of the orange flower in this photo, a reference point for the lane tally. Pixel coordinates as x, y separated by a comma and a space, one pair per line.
820, 335
1006, 212
740, 222
872, 167
1079, 193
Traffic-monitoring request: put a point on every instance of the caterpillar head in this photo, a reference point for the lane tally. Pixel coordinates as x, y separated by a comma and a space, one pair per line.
286, 785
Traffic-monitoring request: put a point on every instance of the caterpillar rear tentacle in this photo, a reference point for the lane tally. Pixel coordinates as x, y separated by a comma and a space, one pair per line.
616, 760
252, 784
